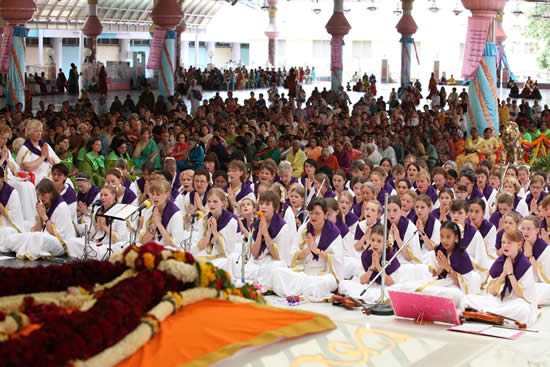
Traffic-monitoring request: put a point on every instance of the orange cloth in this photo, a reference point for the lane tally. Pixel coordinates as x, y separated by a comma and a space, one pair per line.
210, 330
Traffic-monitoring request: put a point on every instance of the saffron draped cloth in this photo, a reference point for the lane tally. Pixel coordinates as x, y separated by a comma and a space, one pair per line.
211, 330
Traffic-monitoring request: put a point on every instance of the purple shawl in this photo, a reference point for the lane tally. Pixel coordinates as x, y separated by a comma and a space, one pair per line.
356, 209
476, 194
277, 223
412, 216
428, 228
460, 262
343, 227
538, 247
126, 183
529, 198
129, 197
141, 184
521, 265
245, 190
543, 225
517, 199
359, 232
487, 191
366, 260
485, 227
204, 199
169, 210
402, 226
5, 193
498, 242
88, 197
431, 192
351, 219
495, 218
328, 235
436, 213
468, 236
34, 149
70, 195
329, 194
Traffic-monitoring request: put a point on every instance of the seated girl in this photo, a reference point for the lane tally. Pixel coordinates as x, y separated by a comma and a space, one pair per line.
270, 247
536, 194
124, 195
404, 233
545, 222
52, 230
423, 186
378, 178
452, 269
94, 162
336, 217
511, 291
371, 265
471, 239
446, 196
284, 170
355, 186
408, 199
482, 183
283, 210
339, 183
296, 199
512, 186
317, 259
345, 202
504, 205
87, 195
11, 215
141, 186
100, 231
310, 168
267, 174
352, 255
538, 253
428, 226
197, 200
220, 231
508, 221
163, 219
247, 209
321, 185
238, 189
487, 229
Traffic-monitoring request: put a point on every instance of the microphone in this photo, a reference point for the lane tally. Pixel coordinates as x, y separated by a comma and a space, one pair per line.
146, 205
259, 214
197, 214
98, 202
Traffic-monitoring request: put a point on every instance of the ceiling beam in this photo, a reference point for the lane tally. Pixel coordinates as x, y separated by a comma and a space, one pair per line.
62, 10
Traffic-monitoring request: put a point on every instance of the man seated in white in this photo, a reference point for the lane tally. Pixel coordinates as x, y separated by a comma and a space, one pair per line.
318, 258
52, 230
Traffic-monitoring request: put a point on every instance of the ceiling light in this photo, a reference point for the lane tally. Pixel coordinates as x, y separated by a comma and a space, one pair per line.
372, 6
433, 8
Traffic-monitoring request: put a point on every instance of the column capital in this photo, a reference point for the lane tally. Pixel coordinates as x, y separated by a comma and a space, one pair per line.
484, 8
180, 28
17, 11
338, 25
92, 28
167, 14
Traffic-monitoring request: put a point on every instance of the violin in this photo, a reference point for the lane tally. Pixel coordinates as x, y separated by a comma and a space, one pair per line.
489, 318
349, 303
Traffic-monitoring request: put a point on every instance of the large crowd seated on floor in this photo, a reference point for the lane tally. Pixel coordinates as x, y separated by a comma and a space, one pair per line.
317, 168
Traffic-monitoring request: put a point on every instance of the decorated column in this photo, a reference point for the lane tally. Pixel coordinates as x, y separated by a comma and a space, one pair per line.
92, 29
271, 32
179, 30
12, 56
407, 27
338, 27
236, 52
166, 15
502, 63
480, 63
125, 50
57, 44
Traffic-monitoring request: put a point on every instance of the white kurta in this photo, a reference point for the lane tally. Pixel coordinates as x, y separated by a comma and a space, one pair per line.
14, 223
33, 245
543, 278
478, 254
469, 283
523, 309
309, 278
174, 228
522, 208
99, 243
217, 252
435, 238
260, 269
25, 189
44, 170
411, 235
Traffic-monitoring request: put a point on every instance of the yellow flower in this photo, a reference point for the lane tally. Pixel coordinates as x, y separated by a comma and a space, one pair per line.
149, 261
83, 291
177, 297
179, 256
204, 275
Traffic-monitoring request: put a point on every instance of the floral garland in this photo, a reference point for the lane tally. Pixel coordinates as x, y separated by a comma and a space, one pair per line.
123, 315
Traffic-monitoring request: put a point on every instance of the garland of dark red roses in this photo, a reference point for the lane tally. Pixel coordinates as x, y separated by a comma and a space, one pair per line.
78, 335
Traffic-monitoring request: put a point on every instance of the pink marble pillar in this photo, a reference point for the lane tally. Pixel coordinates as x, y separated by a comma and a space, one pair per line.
271, 32
407, 27
92, 29
337, 27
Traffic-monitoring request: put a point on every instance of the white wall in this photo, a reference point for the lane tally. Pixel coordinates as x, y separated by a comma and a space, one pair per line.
222, 55
108, 53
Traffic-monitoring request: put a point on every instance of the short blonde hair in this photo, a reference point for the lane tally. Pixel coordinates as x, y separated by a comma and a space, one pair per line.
31, 125
159, 187
513, 181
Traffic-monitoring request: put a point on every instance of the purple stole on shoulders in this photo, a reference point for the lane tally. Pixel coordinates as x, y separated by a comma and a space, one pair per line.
245, 190
351, 219
436, 213
329, 194
344, 230
544, 225
460, 262
498, 242
538, 247
495, 218
382, 194
356, 209
204, 199
328, 235
412, 216
468, 236
5, 194
476, 194
126, 183
402, 226
277, 223
521, 265
169, 210
529, 198
488, 191
485, 227
431, 193
54, 206
428, 228
517, 199
129, 197
366, 260
34, 149
390, 182
359, 231
89, 197
141, 184
69, 195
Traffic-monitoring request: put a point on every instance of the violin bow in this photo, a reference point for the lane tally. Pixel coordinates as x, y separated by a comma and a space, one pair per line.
520, 325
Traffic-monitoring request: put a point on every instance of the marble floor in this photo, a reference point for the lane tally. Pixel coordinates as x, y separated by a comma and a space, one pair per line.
383, 90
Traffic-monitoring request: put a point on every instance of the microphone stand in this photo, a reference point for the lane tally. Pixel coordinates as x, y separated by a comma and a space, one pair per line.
188, 242
246, 248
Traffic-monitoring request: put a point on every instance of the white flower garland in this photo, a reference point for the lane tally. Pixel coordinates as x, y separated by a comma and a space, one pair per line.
181, 271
